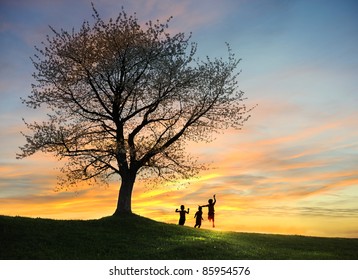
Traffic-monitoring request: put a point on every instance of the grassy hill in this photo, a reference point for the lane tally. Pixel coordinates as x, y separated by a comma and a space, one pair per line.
134, 237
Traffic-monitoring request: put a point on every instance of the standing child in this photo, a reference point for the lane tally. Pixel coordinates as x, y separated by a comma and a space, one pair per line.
182, 212
199, 217
211, 212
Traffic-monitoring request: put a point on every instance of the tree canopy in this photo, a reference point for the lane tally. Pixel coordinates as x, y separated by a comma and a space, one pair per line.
124, 99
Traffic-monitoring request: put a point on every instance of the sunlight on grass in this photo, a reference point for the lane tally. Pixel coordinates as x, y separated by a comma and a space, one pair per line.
199, 238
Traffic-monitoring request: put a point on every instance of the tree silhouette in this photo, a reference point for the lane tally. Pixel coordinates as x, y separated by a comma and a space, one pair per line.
124, 99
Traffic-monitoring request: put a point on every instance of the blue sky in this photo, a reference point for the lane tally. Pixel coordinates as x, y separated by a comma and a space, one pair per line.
292, 169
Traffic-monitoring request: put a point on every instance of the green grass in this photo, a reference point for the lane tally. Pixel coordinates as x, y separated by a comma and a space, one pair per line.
133, 237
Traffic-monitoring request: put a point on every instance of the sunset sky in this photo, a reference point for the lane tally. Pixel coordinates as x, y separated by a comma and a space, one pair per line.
292, 169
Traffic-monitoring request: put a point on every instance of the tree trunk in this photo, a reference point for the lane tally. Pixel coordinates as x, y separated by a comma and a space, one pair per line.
124, 203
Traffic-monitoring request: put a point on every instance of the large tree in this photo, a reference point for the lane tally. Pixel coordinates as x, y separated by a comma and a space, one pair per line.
125, 99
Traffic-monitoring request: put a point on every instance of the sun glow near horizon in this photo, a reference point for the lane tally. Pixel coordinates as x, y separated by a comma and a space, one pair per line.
241, 205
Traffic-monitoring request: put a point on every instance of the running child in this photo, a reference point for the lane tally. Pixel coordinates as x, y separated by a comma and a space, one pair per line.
211, 210
199, 217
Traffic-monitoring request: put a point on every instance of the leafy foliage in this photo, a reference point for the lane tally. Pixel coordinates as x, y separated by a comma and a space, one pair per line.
125, 99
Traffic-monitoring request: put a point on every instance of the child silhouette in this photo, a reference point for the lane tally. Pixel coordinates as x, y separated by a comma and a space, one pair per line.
199, 217
211, 212
182, 213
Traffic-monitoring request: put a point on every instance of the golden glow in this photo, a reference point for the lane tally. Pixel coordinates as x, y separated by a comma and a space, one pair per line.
236, 212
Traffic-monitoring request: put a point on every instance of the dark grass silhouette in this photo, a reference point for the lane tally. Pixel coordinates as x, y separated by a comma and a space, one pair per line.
134, 237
